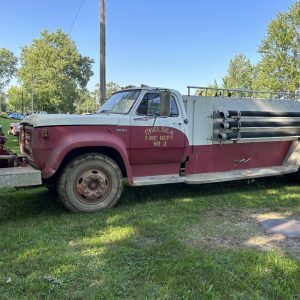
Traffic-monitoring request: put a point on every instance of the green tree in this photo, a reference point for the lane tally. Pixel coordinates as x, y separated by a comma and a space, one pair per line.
8, 67
239, 74
18, 99
54, 71
279, 69
111, 87
211, 91
86, 102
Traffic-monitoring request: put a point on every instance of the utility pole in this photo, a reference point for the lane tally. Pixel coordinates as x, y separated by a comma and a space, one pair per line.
102, 53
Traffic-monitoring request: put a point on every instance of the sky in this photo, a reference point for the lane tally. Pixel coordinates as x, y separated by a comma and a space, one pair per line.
166, 43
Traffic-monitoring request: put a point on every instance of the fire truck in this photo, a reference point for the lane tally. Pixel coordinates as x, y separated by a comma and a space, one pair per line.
156, 136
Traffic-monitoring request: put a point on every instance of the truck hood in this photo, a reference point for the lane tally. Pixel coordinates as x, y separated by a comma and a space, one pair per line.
39, 120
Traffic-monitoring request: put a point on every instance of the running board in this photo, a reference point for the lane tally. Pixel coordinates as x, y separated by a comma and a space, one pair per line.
215, 177
159, 179
239, 174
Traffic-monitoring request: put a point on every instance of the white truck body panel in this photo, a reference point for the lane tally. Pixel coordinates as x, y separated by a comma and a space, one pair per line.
200, 112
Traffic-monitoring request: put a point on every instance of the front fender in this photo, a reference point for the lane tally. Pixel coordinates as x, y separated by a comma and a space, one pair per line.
51, 151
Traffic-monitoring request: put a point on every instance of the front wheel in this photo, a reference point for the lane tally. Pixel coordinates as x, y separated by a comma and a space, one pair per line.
90, 182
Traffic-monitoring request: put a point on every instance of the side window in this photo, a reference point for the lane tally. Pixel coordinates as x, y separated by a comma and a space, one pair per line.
174, 108
150, 106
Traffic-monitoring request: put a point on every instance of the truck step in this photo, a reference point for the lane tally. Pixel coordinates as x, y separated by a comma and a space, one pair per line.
19, 177
159, 179
239, 174
216, 176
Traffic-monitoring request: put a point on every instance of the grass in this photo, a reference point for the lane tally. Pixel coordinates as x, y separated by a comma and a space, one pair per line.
161, 242
12, 142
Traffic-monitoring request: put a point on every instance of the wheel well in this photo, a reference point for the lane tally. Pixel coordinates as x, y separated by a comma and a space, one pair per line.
110, 152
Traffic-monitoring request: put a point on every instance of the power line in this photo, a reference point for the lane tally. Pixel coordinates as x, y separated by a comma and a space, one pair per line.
77, 14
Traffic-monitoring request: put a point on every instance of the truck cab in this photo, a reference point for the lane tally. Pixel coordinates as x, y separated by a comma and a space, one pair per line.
134, 135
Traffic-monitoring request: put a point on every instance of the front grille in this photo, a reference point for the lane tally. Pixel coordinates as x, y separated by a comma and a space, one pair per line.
28, 139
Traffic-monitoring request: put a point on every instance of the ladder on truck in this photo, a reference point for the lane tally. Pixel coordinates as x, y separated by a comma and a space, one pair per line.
241, 93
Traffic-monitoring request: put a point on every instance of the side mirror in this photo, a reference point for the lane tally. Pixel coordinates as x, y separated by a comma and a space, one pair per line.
165, 103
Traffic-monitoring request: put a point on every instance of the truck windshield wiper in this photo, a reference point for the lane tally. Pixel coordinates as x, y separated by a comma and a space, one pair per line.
104, 111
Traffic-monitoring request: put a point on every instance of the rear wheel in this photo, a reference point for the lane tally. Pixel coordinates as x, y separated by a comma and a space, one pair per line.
90, 182
51, 187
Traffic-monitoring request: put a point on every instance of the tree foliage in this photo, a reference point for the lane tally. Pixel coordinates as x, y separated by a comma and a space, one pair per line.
240, 73
89, 102
18, 100
279, 69
8, 67
111, 87
86, 102
54, 71
211, 91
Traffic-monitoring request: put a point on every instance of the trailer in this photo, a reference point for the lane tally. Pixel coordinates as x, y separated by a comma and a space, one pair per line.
153, 135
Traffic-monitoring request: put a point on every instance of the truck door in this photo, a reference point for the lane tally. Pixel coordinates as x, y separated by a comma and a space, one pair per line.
157, 140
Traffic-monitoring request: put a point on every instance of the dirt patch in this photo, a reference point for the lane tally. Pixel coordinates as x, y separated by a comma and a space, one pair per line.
146, 242
239, 229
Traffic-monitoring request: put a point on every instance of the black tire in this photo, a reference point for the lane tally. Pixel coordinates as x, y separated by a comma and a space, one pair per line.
90, 182
51, 188
50, 184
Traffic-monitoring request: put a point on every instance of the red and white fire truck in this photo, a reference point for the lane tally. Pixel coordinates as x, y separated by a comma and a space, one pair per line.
157, 136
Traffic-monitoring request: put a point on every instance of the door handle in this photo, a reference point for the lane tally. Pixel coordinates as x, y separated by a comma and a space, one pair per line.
177, 123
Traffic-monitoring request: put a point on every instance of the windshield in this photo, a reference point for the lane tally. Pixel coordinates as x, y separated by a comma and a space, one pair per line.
120, 103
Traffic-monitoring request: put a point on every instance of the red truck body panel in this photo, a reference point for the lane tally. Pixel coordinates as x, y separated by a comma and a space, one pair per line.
226, 157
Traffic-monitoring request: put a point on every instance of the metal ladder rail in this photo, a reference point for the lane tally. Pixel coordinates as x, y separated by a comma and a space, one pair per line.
241, 92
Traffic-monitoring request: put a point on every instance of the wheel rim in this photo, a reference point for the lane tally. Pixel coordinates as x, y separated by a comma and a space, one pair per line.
92, 186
